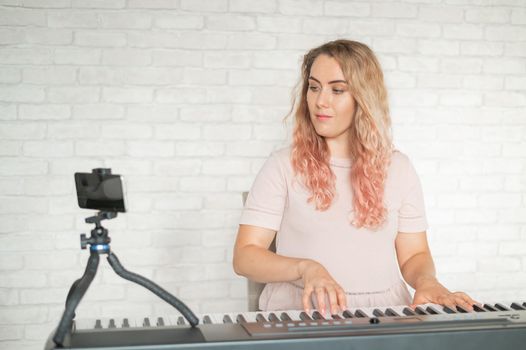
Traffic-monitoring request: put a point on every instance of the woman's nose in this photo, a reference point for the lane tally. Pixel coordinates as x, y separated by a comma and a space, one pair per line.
323, 99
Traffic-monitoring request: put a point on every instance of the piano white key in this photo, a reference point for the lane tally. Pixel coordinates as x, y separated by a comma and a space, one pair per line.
182, 321
293, 314
165, 319
224, 315
327, 315
261, 316
249, 316
132, 322
434, 308
217, 318
207, 319
103, 322
228, 316
147, 322
113, 322
366, 310
86, 323
399, 309
339, 314
232, 317
276, 313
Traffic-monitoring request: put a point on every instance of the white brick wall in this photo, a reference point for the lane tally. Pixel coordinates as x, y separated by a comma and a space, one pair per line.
185, 99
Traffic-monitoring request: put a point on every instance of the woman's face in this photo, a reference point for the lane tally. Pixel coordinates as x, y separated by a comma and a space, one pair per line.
331, 105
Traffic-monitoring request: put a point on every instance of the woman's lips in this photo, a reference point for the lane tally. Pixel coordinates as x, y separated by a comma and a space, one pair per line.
323, 116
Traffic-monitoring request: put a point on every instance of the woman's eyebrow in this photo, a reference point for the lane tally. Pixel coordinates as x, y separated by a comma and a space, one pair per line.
330, 82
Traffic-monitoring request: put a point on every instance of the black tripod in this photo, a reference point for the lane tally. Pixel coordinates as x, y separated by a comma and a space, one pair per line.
99, 243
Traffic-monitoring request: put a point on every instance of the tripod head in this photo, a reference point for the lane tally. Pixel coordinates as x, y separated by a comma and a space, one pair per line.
99, 240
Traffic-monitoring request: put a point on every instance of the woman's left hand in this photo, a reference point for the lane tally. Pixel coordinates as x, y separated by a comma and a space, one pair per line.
429, 290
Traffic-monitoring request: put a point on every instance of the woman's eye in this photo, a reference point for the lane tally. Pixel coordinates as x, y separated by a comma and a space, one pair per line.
338, 91
313, 88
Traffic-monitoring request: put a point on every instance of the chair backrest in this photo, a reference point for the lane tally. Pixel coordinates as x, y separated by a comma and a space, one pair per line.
254, 289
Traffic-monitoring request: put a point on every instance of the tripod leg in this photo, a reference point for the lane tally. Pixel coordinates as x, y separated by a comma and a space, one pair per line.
72, 290
76, 292
154, 288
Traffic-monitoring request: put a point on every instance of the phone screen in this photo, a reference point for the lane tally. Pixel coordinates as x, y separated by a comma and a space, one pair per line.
100, 192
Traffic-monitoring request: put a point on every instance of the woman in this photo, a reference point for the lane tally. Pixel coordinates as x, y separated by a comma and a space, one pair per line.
346, 207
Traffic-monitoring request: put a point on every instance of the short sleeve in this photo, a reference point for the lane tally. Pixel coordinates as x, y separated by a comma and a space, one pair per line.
412, 215
266, 200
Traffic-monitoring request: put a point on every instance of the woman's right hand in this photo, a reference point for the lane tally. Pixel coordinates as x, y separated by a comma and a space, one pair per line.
316, 279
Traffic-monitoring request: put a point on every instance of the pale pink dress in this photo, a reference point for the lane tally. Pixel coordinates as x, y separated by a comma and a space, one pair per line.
362, 261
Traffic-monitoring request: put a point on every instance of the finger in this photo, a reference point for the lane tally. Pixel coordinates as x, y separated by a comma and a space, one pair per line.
342, 299
459, 299
464, 301
448, 301
307, 291
333, 300
418, 300
470, 300
320, 296
466, 306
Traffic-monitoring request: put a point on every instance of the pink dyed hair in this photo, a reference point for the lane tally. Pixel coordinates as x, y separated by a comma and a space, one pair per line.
371, 145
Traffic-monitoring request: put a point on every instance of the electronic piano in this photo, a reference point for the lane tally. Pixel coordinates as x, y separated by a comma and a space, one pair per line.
429, 326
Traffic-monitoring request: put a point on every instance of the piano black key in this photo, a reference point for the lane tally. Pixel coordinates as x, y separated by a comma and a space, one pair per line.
516, 306
391, 312
336, 317
207, 319
408, 311
111, 324
378, 313
462, 310
305, 317
432, 311
227, 319
449, 310
180, 321
420, 311
160, 322
241, 319
98, 324
317, 316
478, 308
285, 317
347, 314
260, 318
146, 322
360, 313
501, 307
273, 318
489, 307
125, 323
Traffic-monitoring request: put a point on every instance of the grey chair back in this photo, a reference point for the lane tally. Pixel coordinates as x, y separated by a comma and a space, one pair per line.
254, 289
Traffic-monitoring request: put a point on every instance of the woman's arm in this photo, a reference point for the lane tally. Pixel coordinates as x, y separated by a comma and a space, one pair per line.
418, 270
253, 260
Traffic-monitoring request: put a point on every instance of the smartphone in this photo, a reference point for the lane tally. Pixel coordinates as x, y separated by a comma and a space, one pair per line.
100, 191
